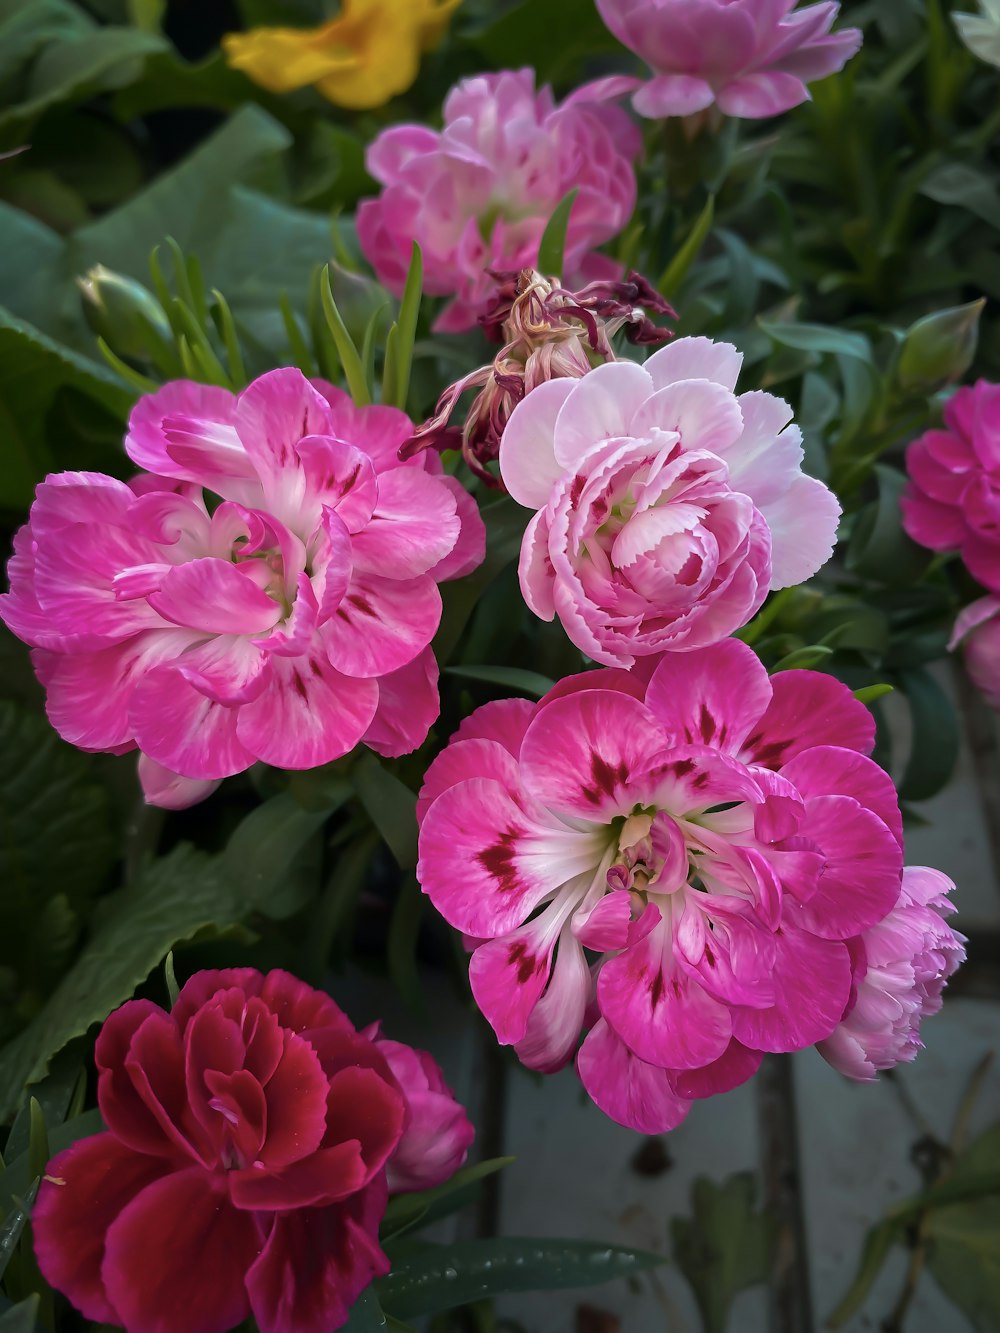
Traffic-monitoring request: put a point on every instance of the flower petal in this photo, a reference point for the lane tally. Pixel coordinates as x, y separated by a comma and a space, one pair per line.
600, 408
634, 1094
713, 696
527, 457
383, 623
808, 708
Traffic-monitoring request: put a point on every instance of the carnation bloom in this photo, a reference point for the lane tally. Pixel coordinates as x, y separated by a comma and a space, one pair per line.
667, 507
547, 333
478, 194
953, 500
977, 629
369, 53
284, 624
981, 32
901, 965
752, 58
438, 1132
676, 866
243, 1167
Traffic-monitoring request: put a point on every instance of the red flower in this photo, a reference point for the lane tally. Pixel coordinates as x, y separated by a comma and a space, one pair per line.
243, 1170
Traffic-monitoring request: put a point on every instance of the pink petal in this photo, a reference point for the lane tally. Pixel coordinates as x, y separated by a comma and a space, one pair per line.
808, 708
408, 706
168, 790
213, 595
326, 1177
734, 1067
673, 95
503, 720
527, 459
462, 760
634, 1094
863, 866
201, 1271
606, 926
415, 525
828, 770
470, 549
534, 569
600, 407
695, 359
273, 414
182, 729
704, 415
755, 96
713, 696
557, 1019
310, 714
803, 525
145, 443
383, 623
508, 977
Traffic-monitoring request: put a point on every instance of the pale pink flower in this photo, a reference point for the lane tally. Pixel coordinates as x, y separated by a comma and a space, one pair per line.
284, 623
751, 58
437, 1134
953, 500
977, 629
478, 194
547, 332
901, 965
667, 507
712, 837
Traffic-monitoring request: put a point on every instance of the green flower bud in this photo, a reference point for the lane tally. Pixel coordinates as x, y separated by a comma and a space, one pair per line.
939, 349
122, 312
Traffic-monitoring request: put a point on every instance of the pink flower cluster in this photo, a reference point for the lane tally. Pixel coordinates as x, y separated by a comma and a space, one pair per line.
478, 194
680, 864
243, 1169
284, 624
751, 58
667, 506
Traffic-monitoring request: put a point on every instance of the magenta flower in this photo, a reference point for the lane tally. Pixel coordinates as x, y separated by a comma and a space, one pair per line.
667, 507
243, 1167
751, 58
712, 839
953, 500
477, 194
438, 1133
901, 966
977, 629
284, 624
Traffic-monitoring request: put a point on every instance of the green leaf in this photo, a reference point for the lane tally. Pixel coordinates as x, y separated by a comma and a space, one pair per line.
350, 358
964, 1256
401, 946
820, 338
725, 1247
936, 736
16, 1179
676, 271
366, 1315
261, 851
879, 548
22, 1317
870, 693
448, 1276
404, 1210
402, 335
807, 658
390, 805
505, 524
878, 1243
966, 187
530, 26
552, 246
532, 683
14, 1222
174, 899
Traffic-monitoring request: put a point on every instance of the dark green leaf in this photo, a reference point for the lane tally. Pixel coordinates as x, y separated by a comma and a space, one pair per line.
262, 849
725, 1247
14, 1222
820, 338
677, 270
552, 247
966, 187
878, 1243
405, 1210
530, 25
513, 678
505, 523
391, 807
366, 1315
453, 1275
935, 745
964, 1256
16, 1180
401, 947
21, 1318
806, 658
879, 548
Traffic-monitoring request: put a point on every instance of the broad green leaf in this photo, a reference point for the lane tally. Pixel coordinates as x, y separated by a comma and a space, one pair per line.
936, 736
724, 1247
366, 1315
21, 1318
390, 805
404, 1210
447, 1276
29, 257
532, 683
878, 1243
552, 246
821, 338
879, 548
173, 900
530, 26
966, 187
964, 1257
505, 524
677, 270
259, 856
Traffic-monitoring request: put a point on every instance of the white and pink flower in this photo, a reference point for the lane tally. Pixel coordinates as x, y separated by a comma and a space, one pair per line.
667, 506
478, 194
284, 621
677, 868
901, 965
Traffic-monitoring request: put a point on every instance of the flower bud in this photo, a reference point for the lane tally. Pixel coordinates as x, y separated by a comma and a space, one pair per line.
939, 349
122, 312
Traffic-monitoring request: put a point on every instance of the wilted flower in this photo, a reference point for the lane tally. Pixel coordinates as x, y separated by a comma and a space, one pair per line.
477, 195
713, 838
901, 965
667, 507
981, 32
438, 1133
284, 624
751, 58
369, 53
953, 500
547, 333
977, 629
242, 1170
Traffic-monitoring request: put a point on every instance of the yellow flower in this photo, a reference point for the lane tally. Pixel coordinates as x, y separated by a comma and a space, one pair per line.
362, 58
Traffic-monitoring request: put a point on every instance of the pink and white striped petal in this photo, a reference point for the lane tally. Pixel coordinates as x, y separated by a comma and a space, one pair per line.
631, 1092
382, 624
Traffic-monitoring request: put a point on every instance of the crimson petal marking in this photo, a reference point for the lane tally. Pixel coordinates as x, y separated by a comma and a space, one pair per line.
808, 708
712, 696
382, 624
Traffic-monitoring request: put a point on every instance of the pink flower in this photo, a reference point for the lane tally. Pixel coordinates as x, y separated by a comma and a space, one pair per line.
668, 507
243, 1167
752, 58
477, 194
284, 624
977, 629
438, 1132
901, 965
712, 839
953, 500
